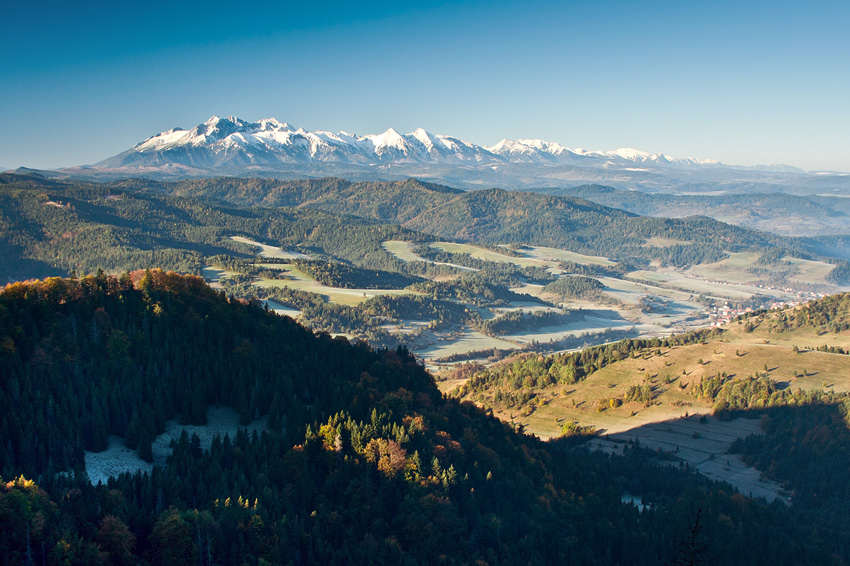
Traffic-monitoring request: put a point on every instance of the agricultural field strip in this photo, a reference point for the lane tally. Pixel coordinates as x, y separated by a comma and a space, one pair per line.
281, 309
403, 251
332, 294
719, 290
543, 253
617, 287
470, 341
629, 293
214, 274
679, 311
735, 268
546, 333
489, 255
270, 251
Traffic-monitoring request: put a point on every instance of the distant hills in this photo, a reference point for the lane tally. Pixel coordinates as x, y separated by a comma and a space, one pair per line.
780, 213
53, 226
127, 225
235, 147
494, 216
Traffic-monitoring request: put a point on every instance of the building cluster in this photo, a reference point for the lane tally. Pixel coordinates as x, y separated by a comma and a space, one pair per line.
720, 315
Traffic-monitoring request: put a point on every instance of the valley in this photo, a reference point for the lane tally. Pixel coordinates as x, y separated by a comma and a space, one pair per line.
581, 275
641, 303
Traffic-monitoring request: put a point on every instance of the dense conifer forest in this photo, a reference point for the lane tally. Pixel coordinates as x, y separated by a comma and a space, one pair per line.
363, 460
54, 228
495, 216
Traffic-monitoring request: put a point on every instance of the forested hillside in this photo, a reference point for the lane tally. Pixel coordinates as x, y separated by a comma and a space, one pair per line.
788, 367
363, 460
51, 227
494, 216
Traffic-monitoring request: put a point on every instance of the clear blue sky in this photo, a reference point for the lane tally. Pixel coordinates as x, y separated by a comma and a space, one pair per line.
744, 82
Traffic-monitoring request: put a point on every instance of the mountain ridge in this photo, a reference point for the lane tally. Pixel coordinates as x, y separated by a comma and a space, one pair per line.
271, 148
288, 143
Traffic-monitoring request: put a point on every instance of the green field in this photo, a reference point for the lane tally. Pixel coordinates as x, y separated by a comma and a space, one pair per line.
591, 324
404, 252
488, 255
269, 251
469, 341
401, 250
630, 292
337, 295
679, 280
736, 268
543, 253
282, 309
681, 312
213, 274
810, 271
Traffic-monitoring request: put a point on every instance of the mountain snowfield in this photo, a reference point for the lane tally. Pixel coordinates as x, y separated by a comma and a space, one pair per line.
226, 140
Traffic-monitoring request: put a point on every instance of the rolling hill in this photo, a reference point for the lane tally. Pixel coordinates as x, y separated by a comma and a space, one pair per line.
495, 216
786, 367
53, 227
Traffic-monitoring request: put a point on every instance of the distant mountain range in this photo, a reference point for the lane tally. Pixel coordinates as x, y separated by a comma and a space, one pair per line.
235, 147
224, 142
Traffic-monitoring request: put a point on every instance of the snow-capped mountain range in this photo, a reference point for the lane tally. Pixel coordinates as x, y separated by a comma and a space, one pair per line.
269, 148
230, 141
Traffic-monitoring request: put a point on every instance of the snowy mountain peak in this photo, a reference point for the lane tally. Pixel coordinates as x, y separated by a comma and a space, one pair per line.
632, 154
424, 137
390, 138
273, 124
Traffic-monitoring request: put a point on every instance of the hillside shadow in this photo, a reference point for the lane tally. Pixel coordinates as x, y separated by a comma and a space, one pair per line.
25, 269
806, 450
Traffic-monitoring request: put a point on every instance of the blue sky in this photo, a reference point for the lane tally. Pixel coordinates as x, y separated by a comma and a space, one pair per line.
742, 82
